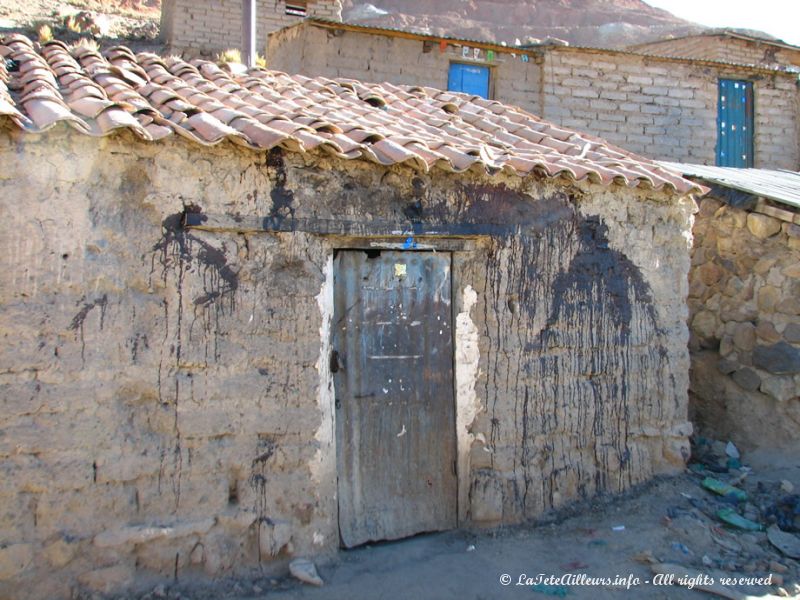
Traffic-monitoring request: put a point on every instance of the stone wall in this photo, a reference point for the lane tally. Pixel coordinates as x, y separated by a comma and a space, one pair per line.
202, 27
657, 107
724, 48
745, 323
167, 408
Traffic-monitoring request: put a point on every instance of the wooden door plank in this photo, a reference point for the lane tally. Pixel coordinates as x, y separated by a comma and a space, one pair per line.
394, 389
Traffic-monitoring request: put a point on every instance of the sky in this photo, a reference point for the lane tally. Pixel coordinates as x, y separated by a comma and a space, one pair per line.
780, 18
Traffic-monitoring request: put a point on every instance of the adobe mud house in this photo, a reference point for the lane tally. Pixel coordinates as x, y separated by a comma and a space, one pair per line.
232, 305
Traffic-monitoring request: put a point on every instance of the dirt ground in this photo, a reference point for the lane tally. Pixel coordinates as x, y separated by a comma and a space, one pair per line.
671, 520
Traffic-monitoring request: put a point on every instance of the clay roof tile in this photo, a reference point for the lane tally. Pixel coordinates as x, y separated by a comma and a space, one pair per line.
423, 127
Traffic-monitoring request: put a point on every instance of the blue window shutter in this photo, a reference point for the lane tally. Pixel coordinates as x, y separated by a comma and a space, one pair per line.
470, 79
735, 123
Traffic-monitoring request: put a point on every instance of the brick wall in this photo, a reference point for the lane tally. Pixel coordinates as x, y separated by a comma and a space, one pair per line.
314, 50
725, 49
204, 27
663, 108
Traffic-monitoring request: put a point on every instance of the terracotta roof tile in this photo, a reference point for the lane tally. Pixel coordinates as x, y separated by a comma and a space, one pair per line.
425, 128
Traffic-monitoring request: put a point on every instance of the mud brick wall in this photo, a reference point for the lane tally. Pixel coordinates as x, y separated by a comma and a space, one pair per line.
745, 323
202, 27
665, 109
167, 403
314, 51
724, 49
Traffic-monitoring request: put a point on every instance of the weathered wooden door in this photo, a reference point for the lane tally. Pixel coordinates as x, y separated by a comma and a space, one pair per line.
393, 373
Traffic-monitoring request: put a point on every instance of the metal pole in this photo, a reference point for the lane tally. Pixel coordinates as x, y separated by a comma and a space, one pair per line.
249, 32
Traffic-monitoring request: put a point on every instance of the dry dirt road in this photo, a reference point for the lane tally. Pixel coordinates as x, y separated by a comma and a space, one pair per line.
670, 520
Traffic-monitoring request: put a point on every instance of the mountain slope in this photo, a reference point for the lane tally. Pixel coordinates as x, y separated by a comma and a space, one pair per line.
607, 23
120, 20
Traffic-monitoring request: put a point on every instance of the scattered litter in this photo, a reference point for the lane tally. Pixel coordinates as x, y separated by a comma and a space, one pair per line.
786, 486
645, 557
723, 489
787, 543
707, 562
675, 512
741, 477
402, 431
785, 512
687, 496
726, 541
732, 451
598, 543
304, 570
560, 591
731, 517
711, 455
703, 506
471, 548
681, 548
749, 511
618, 528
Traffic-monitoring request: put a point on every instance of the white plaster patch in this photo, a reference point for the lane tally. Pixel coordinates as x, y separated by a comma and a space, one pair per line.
323, 466
467, 404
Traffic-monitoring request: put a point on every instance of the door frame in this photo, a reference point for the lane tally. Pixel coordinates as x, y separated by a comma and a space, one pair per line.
460, 250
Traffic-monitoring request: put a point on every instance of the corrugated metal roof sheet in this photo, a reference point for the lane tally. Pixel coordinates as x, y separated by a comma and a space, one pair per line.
721, 32
778, 185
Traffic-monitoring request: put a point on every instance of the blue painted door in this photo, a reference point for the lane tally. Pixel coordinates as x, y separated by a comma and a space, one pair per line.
470, 79
735, 123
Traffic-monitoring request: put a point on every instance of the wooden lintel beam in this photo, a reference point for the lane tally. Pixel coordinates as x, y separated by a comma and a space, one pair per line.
340, 227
